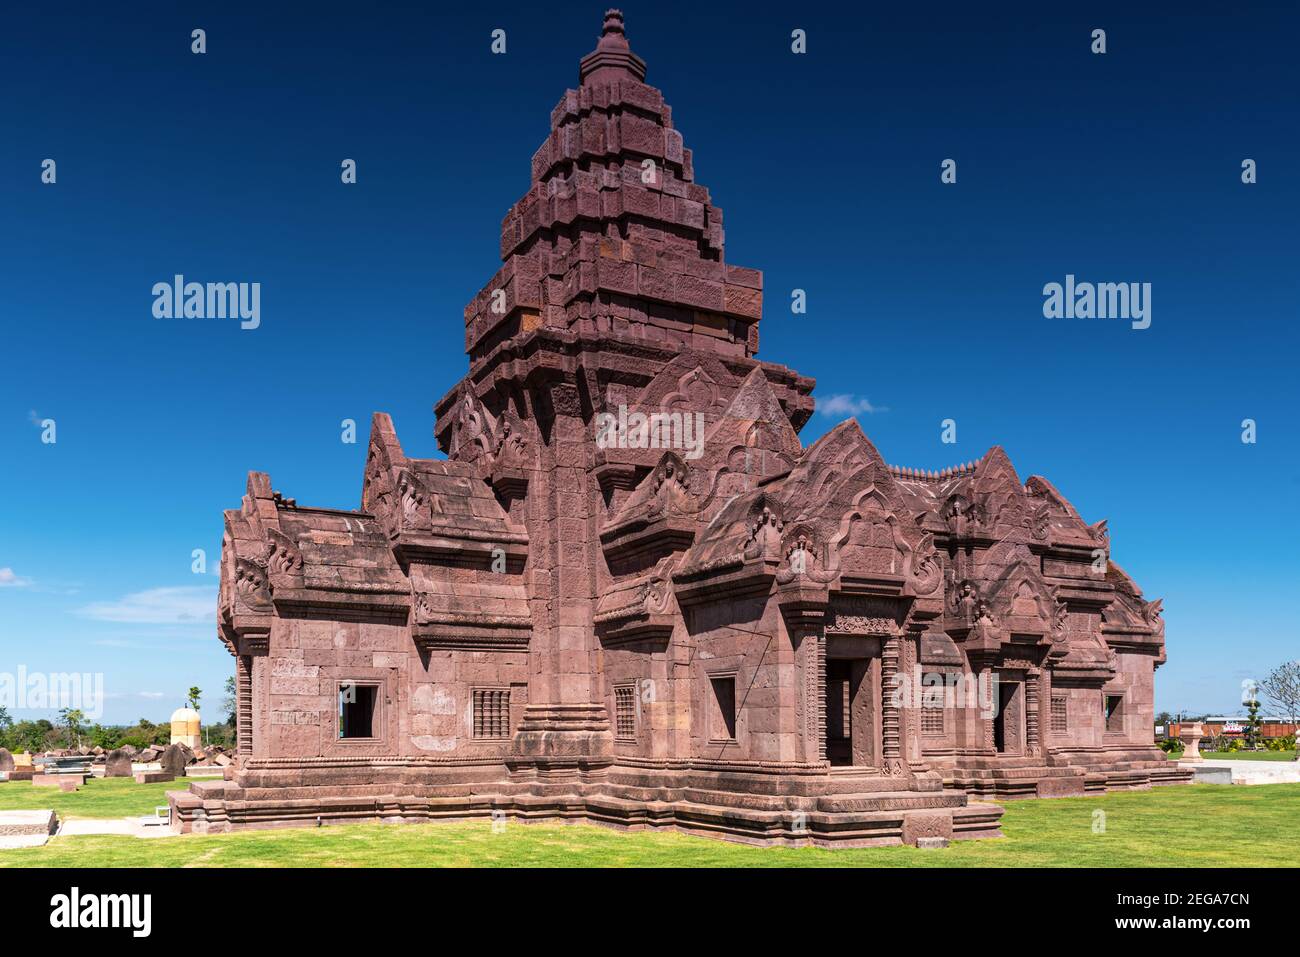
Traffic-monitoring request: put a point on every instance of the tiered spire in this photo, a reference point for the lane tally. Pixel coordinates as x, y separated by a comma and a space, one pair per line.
615, 237
612, 59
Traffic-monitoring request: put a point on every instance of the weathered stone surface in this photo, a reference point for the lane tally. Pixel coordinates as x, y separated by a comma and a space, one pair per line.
6, 761
630, 579
117, 764
174, 759
153, 777
65, 782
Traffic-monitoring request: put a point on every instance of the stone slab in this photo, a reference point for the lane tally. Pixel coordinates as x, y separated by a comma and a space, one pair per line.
1209, 774
1255, 772
64, 782
28, 822
153, 777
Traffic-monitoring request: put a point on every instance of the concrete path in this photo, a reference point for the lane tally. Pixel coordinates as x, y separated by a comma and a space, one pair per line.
1254, 772
147, 826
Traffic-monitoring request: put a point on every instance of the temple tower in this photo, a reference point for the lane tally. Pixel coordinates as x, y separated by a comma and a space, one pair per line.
613, 266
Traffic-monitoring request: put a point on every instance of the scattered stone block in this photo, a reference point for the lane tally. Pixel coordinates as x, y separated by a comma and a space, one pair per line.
918, 825
6, 761
174, 759
67, 782
931, 843
118, 764
153, 777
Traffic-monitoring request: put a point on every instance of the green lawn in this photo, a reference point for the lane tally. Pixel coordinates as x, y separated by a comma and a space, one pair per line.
1194, 825
99, 797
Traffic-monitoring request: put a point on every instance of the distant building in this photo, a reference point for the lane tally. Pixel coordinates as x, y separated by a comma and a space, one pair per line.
1234, 726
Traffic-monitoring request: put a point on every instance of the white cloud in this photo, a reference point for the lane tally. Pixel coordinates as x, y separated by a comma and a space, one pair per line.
191, 604
842, 406
10, 579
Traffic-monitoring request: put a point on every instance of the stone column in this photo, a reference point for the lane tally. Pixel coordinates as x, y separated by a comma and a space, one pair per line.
566, 721
1190, 735
890, 719
816, 685
986, 680
1032, 733
1046, 722
243, 704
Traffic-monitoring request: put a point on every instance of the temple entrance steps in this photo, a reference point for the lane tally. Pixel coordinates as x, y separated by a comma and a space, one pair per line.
1014, 778
1124, 770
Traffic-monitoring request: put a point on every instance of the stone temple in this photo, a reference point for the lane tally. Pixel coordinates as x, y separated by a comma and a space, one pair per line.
630, 595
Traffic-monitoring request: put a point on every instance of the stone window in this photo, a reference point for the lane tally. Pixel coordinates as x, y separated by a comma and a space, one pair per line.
491, 713
932, 706
722, 726
1060, 714
625, 712
357, 707
1114, 713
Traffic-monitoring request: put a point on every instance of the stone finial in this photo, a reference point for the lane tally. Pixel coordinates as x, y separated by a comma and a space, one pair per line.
612, 59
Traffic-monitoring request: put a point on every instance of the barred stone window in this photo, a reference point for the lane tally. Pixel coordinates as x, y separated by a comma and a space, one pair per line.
1060, 714
932, 718
491, 713
1114, 713
625, 712
933, 698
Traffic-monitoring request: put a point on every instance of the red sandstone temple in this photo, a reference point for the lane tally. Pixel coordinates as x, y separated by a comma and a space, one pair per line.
630, 595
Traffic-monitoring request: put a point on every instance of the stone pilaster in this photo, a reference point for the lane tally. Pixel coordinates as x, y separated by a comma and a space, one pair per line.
244, 704
566, 720
986, 680
891, 719
1033, 731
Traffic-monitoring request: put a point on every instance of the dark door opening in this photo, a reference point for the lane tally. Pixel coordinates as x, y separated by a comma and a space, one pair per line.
1004, 727
840, 691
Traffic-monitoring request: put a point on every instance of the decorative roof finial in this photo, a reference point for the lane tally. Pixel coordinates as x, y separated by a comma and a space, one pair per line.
613, 22
612, 59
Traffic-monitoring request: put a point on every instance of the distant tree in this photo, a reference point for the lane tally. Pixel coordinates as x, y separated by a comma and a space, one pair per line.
1282, 689
29, 735
229, 703
1252, 723
1164, 718
72, 718
104, 737
193, 698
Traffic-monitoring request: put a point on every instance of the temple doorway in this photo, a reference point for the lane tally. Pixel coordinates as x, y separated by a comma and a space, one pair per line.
851, 721
840, 689
1008, 734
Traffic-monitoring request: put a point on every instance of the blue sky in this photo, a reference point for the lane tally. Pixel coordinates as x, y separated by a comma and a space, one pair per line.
924, 299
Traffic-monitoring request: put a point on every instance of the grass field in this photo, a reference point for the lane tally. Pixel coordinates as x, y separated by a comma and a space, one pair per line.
1197, 825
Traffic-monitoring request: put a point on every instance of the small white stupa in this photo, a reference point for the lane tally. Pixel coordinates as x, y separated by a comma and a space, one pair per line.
187, 727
